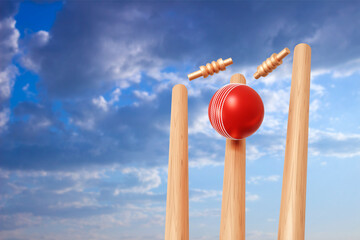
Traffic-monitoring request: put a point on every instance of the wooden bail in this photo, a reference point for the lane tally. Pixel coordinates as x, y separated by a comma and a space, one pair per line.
271, 63
211, 68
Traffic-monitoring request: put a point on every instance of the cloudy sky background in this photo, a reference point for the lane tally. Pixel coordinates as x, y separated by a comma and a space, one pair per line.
85, 93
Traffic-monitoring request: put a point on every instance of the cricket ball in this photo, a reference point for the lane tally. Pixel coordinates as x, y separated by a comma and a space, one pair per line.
236, 111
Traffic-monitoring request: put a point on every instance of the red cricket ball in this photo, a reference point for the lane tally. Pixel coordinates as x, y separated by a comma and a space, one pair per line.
236, 111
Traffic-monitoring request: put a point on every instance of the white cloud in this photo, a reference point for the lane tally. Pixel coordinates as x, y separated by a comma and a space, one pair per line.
26, 87
347, 69
160, 76
21, 219
81, 190
116, 57
271, 220
104, 104
37, 40
208, 212
8, 48
201, 162
29, 64
115, 95
79, 203
9, 40
41, 37
316, 135
42, 123
149, 179
199, 195
314, 106
260, 235
79, 177
251, 197
253, 153
7, 78
276, 101
201, 125
200, 157
259, 179
4, 118
333, 144
318, 89
143, 95
100, 227
341, 70
101, 103
273, 123
87, 124
318, 72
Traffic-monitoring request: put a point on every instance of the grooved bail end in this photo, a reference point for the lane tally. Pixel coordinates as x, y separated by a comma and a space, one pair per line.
271, 63
211, 68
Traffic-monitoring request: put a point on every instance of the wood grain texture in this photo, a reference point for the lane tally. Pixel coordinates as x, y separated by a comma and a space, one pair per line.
293, 197
232, 226
177, 202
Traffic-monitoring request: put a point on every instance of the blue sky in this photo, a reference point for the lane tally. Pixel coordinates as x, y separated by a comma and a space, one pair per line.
85, 93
